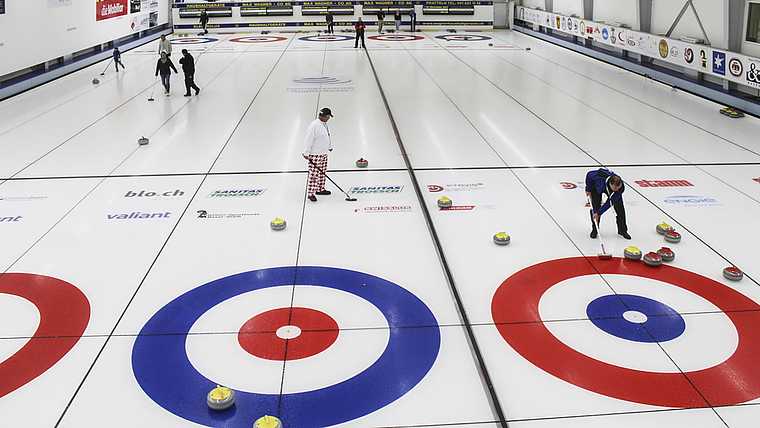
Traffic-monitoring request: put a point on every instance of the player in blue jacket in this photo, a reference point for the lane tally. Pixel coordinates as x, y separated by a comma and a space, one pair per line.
603, 181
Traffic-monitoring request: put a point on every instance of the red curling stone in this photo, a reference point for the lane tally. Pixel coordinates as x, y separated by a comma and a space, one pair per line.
652, 259
733, 273
666, 254
673, 236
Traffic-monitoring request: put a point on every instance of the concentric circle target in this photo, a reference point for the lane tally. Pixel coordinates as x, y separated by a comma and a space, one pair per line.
515, 310
326, 38
192, 40
395, 37
258, 39
164, 371
64, 314
462, 38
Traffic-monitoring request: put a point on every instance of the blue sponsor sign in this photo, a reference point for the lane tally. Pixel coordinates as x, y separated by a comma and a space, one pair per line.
719, 63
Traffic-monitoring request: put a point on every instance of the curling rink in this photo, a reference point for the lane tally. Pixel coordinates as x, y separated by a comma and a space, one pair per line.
137, 278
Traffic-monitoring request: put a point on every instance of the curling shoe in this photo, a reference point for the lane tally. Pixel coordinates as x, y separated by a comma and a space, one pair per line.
624, 235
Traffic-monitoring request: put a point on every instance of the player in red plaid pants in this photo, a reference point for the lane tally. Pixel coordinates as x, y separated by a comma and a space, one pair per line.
316, 146
316, 178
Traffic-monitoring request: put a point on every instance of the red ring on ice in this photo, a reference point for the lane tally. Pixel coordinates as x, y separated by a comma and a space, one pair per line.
736, 380
258, 336
64, 315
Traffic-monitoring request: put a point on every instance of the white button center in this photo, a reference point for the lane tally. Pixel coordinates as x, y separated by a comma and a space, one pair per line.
632, 316
288, 332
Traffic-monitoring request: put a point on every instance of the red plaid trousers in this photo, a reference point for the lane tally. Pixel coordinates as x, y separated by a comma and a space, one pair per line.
316, 178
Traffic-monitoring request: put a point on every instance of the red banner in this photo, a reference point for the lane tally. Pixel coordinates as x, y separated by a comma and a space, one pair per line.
110, 9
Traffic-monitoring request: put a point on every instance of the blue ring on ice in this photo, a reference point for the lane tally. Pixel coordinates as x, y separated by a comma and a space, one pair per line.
663, 323
163, 370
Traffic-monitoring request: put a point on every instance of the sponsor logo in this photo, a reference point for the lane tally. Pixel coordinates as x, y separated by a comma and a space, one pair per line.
137, 215
674, 51
377, 189
752, 76
106, 9
206, 214
583, 28
470, 208
22, 198
570, 186
321, 84
756, 179
735, 67
688, 55
642, 42
719, 63
703, 59
663, 183
458, 187
235, 193
458, 208
692, 201
10, 219
385, 209
154, 195
605, 34
663, 48
632, 41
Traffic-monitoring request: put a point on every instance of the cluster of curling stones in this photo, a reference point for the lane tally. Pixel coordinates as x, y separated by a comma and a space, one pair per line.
651, 258
668, 232
222, 398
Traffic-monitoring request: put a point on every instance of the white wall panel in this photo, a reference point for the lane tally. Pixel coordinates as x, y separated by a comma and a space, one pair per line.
569, 7
712, 14
535, 4
623, 11
31, 33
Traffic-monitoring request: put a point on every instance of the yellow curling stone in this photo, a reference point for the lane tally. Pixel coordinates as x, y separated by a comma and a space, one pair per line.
632, 253
220, 398
268, 422
501, 238
278, 224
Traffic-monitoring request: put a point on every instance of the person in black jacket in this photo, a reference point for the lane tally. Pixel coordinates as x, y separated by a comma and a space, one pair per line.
330, 23
188, 67
117, 59
380, 19
165, 67
204, 21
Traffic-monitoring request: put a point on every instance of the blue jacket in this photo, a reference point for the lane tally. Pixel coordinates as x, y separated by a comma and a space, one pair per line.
598, 180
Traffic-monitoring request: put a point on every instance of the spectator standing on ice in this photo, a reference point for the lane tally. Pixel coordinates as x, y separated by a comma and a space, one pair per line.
380, 18
397, 18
